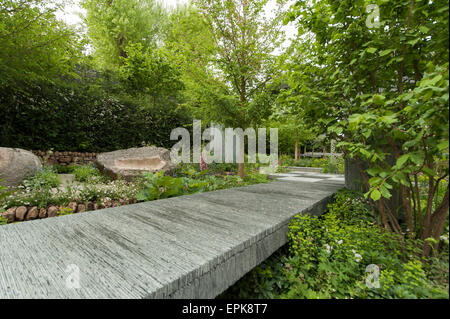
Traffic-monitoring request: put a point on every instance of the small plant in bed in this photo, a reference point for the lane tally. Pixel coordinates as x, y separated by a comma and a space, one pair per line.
88, 174
45, 178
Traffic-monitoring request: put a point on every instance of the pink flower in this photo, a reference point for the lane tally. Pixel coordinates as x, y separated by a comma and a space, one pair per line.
203, 165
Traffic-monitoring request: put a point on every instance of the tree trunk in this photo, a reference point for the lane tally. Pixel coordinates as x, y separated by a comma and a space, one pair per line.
241, 170
296, 144
438, 224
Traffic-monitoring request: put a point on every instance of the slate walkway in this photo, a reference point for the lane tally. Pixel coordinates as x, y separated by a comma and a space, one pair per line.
192, 246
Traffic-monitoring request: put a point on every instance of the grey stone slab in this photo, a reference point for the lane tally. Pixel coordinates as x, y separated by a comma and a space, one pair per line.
300, 179
192, 246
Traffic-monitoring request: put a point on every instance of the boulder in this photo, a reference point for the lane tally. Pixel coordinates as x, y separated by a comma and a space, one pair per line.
16, 164
43, 213
33, 213
81, 208
73, 206
21, 212
133, 162
52, 211
10, 214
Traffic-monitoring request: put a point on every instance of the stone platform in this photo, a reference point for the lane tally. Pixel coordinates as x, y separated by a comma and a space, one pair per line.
192, 246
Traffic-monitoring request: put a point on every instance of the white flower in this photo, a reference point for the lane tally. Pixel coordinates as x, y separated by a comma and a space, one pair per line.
358, 257
340, 242
329, 248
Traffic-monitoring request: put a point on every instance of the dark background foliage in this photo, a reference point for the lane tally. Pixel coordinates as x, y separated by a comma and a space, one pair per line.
78, 116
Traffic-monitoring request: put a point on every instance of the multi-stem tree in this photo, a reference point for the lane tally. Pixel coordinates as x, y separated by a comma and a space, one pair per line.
245, 39
382, 90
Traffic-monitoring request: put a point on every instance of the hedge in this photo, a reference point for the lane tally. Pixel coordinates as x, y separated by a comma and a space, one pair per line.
82, 117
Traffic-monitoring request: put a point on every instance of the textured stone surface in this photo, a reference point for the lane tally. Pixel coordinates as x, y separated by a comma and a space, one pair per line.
192, 246
134, 161
33, 213
16, 164
52, 211
21, 213
10, 214
43, 213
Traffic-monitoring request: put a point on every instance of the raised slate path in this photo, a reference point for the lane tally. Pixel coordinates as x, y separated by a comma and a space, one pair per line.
192, 246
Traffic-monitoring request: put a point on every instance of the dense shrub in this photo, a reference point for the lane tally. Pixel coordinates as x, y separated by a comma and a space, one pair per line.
82, 117
327, 258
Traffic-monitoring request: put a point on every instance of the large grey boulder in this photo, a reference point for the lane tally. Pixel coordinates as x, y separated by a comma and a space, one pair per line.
133, 162
17, 164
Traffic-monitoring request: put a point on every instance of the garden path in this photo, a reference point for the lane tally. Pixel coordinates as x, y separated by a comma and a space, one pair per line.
193, 246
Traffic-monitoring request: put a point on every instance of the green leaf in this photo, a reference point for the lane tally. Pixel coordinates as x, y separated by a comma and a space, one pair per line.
375, 195
424, 29
429, 171
413, 42
371, 50
386, 52
378, 99
402, 160
443, 145
385, 192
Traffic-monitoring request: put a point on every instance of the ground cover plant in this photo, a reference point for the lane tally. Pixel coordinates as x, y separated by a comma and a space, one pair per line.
327, 257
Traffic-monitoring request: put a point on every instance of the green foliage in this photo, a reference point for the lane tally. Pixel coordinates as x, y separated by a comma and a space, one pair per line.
86, 174
189, 179
328, 165
327, 258
60, 169
83, 116
4, 192
45, 178
383, 93
114, 25
244, 41
65, 211
158, 186
35, 44
151, 72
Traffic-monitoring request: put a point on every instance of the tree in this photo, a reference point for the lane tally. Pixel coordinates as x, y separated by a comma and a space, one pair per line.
245, 40
115, 24
151, 72
35, 44
192, 43
383, 92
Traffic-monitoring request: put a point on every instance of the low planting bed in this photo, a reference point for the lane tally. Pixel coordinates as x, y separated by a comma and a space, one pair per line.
47, 194
325, 165
346, 254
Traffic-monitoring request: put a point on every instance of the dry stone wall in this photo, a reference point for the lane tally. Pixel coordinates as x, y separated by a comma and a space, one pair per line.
66, 158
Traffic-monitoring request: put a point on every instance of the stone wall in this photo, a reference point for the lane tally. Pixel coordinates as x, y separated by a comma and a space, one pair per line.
25, 213
66, 158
